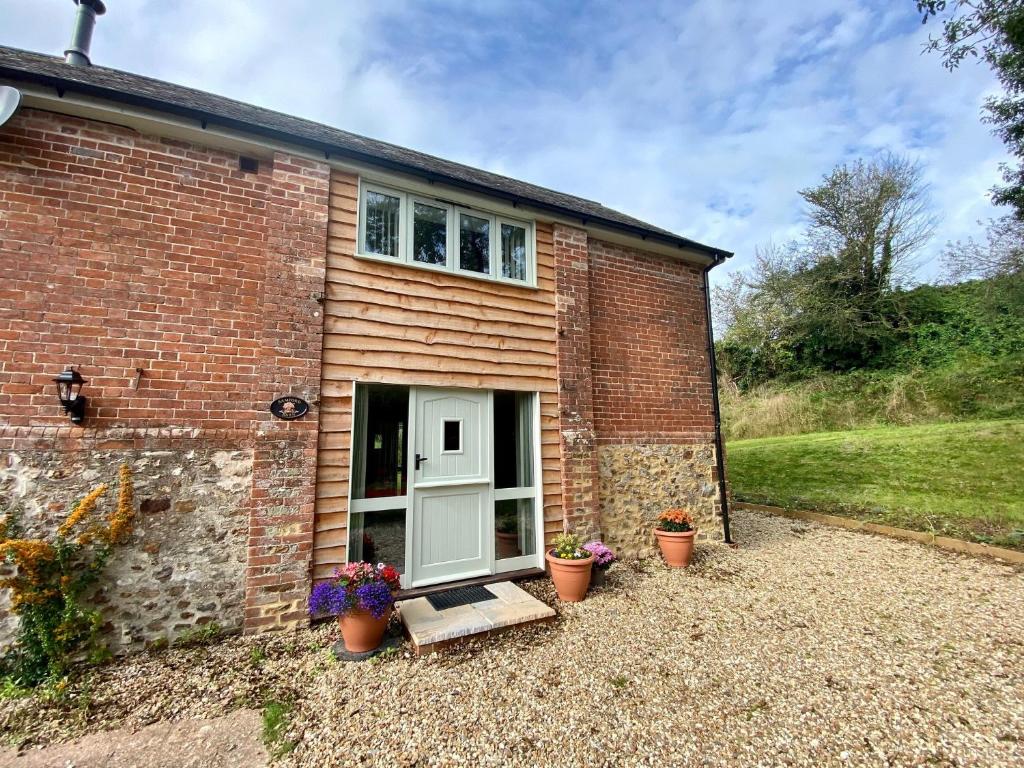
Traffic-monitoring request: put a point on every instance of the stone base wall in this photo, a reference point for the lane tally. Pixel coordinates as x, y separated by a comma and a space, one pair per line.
184, 565
638, 482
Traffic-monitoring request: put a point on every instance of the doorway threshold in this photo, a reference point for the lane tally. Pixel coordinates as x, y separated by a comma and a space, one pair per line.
520, 575
503, 606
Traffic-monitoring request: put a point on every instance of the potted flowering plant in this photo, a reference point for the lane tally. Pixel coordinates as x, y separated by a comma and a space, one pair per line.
675, 532
570, 566
603, 559
361, 596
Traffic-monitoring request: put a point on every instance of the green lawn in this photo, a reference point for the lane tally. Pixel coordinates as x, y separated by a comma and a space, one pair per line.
963, 479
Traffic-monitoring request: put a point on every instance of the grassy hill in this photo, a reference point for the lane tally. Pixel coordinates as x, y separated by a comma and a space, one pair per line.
966, 388
961, 479
926, 434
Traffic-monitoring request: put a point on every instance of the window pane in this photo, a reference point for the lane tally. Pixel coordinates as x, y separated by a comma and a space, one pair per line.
381, 235
429, 234
474, 243
452, 436
514, 531
513, 440
513, 252
378, 537
381, 437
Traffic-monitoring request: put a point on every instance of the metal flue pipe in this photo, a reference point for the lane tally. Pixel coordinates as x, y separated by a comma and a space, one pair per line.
77, 53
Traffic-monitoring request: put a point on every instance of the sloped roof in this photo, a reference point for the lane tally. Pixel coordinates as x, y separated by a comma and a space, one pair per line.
209, 109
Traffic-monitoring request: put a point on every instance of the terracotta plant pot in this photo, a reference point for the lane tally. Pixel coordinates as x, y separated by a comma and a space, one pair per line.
361, 632
507, 545
571, 577
676, 548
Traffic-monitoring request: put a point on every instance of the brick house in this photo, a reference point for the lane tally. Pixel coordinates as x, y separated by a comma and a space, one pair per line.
486, 362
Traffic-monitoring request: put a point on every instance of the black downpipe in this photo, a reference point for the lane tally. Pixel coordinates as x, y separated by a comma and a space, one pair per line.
719, 452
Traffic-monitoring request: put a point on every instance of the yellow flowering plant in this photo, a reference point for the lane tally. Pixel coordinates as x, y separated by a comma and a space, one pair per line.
50, 580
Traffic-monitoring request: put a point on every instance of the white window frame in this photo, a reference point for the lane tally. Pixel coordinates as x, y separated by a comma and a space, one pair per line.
459, 211
461, 448
402, 225
410, 255
405, 235
499, 220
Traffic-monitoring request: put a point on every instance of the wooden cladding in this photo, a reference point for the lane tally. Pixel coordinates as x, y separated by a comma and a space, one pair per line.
394, 324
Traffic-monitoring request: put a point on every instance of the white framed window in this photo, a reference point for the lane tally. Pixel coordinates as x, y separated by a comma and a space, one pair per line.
430, 233
451, 436
475, 242
424, 232
382, 212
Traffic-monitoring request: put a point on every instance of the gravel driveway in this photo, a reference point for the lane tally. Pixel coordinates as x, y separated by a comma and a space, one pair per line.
807, 646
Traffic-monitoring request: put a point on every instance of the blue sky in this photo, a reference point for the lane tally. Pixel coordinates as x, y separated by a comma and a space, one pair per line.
704, 117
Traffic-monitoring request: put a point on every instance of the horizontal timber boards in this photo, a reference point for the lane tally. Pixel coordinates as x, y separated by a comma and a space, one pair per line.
395, 324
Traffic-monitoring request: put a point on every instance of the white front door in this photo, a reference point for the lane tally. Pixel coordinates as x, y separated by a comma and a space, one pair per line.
451, 528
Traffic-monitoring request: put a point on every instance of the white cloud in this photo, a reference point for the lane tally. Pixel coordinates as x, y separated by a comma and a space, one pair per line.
704, 117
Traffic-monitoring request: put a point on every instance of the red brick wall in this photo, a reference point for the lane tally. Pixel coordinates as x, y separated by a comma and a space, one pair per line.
575, 383
120, 250
648, 341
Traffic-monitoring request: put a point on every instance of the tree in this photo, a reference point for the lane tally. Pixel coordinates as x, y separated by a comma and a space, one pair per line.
868, 223
992, 30
830, 300
756, 311
872, 219
1001, 256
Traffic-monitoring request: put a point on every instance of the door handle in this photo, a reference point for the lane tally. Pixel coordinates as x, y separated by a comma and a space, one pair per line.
419, 460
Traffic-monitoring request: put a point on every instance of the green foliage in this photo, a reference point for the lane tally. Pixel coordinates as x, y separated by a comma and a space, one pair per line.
929, 327
938, 325
959, 480
52, 582
276, 718
203, 635
257, 655
830, 300
993, 31
618, 681
568, 546
968, 387
11, 688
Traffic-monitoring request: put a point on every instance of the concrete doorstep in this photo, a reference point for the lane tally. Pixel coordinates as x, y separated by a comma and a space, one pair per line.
431, 630
943, 542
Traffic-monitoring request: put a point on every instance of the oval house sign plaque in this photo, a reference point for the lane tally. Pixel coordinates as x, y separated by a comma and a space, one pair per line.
289, 408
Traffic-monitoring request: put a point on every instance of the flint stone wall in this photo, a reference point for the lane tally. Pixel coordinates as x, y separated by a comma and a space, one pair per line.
184, 565
638, 482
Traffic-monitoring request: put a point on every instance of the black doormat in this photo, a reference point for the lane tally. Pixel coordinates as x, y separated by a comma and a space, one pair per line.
461, 596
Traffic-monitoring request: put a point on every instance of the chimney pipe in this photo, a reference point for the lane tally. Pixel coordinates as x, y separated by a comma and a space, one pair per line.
77, 53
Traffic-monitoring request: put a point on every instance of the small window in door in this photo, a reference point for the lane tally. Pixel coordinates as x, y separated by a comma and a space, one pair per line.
451, 436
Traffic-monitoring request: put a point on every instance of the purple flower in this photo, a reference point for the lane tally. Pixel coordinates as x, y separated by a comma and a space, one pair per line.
357, 585
603, 556
375, 597
330, 599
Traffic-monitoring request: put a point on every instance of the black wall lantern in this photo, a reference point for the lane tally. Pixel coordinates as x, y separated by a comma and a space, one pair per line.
69, 390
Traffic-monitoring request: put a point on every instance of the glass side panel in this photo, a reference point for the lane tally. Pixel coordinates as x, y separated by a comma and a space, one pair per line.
513, 439
514, 531
381, 440
474, 243
378, 537
429, 234
381, 225
513, 252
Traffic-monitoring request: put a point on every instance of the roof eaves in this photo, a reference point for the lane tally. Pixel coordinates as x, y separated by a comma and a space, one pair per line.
206, 117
